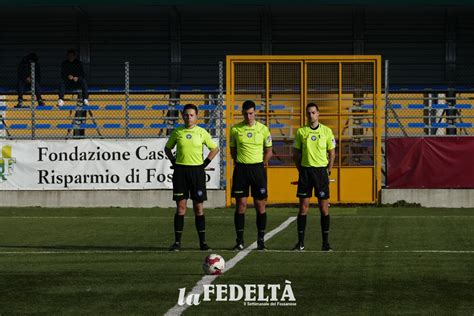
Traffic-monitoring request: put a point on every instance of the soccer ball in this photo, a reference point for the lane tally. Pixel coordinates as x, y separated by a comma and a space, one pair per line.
213, 264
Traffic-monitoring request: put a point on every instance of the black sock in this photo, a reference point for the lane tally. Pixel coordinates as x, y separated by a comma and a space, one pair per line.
239, 222
261, 225
325, 229
200, 222
301, 228
178, 227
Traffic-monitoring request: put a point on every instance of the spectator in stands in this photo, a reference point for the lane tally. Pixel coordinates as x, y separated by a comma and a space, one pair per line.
313, 144
72, 75
24, 78
189, 177
251, 149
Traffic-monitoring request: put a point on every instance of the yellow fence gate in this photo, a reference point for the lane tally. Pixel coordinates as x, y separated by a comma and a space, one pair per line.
347, 90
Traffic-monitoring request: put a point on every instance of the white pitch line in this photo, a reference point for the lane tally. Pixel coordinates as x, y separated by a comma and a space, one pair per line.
402, 216
105, 252
375, 251
208, 279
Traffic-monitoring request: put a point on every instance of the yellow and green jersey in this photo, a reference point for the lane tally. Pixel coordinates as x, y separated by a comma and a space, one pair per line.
189, 144
314, 145
249, 142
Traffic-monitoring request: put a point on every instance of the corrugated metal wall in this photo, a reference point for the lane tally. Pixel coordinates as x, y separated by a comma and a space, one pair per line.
168, 45
413, 40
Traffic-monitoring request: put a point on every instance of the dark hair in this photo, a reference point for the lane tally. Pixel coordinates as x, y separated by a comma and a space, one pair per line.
248, 105
190, 106
71, 51
32, 57
310, 105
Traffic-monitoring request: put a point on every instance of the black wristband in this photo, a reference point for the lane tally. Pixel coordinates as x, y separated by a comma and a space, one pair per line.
207, 161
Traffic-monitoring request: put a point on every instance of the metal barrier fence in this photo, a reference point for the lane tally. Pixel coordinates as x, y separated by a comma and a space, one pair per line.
135, 112
422, 113
429, 114
126, 113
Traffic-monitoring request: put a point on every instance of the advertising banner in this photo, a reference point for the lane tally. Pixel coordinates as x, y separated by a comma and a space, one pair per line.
89, 164
430, 163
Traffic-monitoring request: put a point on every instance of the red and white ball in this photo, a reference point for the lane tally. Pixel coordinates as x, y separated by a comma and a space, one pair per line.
213, 264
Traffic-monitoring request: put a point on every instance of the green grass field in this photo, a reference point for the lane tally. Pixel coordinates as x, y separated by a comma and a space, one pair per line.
115, 261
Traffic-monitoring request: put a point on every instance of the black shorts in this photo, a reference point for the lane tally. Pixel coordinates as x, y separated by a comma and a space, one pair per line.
189, 181
249, 175
313, 177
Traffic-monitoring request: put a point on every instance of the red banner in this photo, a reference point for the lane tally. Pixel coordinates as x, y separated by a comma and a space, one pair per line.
430, 163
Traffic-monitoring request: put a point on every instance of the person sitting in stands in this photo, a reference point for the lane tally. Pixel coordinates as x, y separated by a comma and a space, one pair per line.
72, 75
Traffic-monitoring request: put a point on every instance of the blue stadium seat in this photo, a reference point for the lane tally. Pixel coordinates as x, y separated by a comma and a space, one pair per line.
42, 126
277, 107
112, 125
416, 106
19, 126
67, 108
157, 107
136, 107
89, 107
113, 107
416, 125
87, 125
440, 125
281, 143
136, 125
463, 125
207, 107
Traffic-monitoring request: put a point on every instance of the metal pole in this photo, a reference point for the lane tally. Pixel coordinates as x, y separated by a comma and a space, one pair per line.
127, 97
451, 112
386, 120
33, 95
220, 124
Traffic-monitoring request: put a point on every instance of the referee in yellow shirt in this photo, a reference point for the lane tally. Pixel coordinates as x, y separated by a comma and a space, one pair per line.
312, 145
189, 177
251, 149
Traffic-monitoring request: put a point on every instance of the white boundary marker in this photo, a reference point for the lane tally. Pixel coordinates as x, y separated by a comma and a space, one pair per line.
208, 279
376, 251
